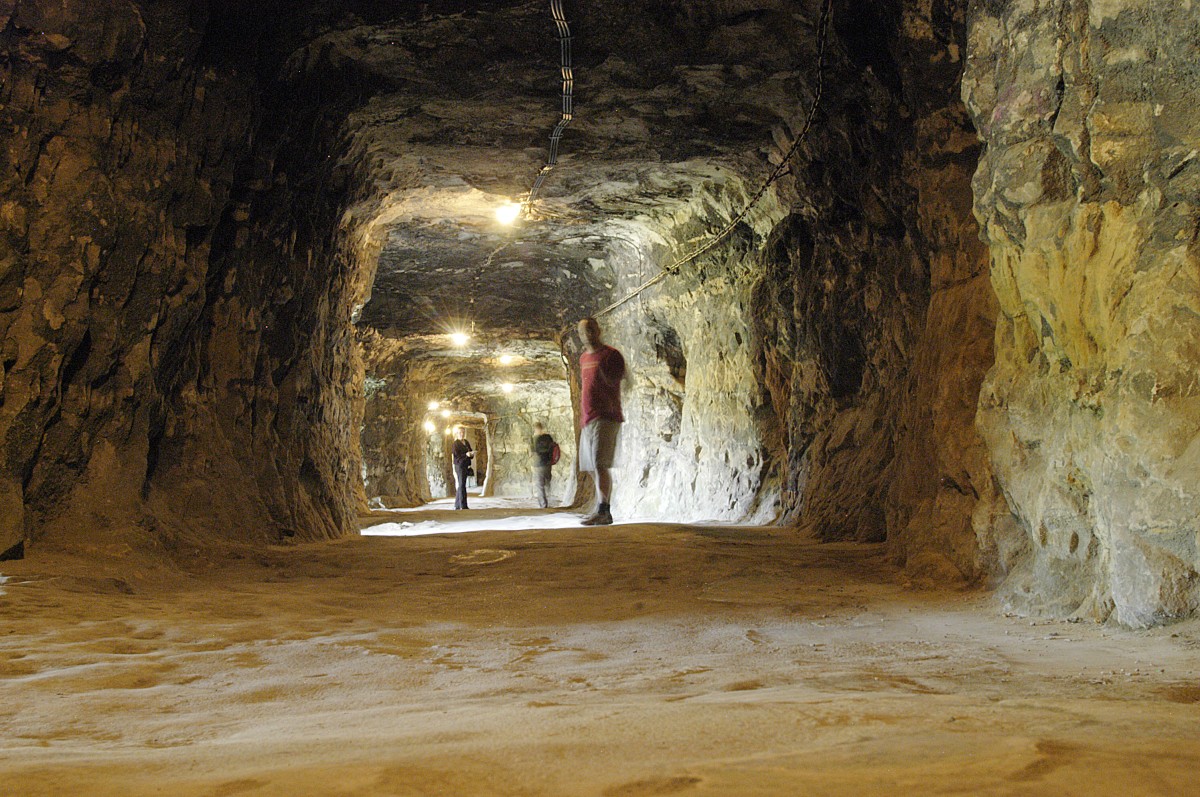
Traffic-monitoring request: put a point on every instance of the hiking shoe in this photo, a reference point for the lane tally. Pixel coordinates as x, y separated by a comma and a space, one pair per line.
597, 519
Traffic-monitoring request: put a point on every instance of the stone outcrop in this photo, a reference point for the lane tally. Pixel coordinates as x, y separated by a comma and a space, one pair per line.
177, 356
1087, 193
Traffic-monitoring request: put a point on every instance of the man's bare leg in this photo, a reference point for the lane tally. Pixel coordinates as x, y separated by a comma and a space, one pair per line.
603, 514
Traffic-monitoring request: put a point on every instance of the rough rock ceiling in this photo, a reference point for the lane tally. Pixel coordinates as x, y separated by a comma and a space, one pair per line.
670, 103
467, 377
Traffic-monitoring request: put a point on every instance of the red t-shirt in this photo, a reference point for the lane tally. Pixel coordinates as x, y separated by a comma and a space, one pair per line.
600, 375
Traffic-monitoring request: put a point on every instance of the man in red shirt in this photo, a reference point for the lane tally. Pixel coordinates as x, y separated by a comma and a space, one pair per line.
601, 369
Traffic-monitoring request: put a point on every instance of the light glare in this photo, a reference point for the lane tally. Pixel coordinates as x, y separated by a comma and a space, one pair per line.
506, 359
433, 405
445, 413
429, 427
459, 338
508, 212
507, 387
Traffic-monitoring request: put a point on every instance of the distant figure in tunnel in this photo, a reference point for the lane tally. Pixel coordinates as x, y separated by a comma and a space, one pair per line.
543, 459
601, 369
462, 455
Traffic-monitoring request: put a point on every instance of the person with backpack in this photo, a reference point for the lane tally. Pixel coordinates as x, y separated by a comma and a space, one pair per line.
545, 454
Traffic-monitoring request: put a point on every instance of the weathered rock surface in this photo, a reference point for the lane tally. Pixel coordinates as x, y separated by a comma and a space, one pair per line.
1087, 193
177, 357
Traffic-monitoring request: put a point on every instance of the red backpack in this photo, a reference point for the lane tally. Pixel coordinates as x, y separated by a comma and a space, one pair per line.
555, 453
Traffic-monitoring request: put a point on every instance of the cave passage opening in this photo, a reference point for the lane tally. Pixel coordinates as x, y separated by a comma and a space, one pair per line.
468, 319
623, 206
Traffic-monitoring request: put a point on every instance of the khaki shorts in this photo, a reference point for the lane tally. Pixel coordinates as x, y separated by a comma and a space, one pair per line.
598, 444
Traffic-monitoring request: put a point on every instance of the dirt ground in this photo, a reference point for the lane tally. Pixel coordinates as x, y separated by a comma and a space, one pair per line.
639, 659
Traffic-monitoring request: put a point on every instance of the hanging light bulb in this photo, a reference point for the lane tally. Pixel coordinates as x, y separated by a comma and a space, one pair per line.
507, 213
429, 427
506, 359
507, 387
459, 338
433, 405
445, 413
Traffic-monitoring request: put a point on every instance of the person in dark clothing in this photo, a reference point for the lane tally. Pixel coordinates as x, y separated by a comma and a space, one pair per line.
543, 459
462, 454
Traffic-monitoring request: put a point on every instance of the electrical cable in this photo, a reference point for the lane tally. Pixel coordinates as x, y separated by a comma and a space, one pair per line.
782, 168
568, 86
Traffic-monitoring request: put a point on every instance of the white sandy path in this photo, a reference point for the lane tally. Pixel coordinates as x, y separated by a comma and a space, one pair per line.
629, 660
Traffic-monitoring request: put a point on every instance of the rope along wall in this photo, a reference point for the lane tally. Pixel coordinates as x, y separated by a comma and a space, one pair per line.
781, 169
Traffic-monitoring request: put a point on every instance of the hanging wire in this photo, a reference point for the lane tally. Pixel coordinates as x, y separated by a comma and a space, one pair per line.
568, 85
781, 169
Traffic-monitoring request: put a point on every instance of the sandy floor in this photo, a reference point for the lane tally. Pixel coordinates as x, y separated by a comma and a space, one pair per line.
631, 660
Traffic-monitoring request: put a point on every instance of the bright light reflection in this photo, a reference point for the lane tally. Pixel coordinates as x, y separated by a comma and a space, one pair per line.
508, 213
409, 528
459, 338
507, 387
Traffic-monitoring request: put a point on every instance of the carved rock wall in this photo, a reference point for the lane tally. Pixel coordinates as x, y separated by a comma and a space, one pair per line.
174, 316
1087, 193
825, 362
512, 462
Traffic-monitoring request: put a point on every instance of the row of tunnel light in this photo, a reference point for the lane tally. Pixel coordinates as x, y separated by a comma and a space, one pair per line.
460, 339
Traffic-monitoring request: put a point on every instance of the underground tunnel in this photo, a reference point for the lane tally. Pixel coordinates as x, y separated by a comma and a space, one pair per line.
904, 496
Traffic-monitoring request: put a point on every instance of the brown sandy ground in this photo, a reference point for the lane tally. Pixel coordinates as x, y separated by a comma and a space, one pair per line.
630, 660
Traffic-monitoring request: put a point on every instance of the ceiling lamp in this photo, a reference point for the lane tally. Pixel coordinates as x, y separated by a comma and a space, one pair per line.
429, 427
506, 359
459, 338
433, 405
445, 413
507, 387
509, 212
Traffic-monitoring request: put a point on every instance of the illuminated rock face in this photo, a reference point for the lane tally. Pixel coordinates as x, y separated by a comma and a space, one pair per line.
824, 364
1087, 193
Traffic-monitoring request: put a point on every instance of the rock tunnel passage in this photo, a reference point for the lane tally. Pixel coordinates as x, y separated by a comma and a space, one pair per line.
239, 243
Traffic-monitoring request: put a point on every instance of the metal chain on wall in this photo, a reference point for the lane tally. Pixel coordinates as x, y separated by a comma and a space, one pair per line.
782, 168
